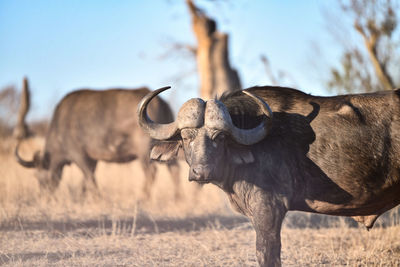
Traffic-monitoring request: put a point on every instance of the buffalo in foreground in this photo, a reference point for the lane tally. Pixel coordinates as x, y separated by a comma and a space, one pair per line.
88, 126
331, 155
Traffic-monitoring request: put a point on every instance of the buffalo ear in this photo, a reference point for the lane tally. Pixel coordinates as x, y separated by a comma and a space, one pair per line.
242, 156
165, 151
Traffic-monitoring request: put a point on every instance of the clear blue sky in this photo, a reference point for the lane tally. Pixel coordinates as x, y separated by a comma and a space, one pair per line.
65, 45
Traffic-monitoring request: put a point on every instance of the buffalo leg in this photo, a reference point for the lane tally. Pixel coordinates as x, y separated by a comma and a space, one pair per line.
267, 222
88, 167
174, 171
55, 177
149, 170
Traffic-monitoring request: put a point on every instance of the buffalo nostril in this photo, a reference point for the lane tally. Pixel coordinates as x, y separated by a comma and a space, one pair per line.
197, 171
200, 172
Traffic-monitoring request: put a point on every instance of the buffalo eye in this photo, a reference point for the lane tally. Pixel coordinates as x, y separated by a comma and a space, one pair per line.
219, 137
186, 138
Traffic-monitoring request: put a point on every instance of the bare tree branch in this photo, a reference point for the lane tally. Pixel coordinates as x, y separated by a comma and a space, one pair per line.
268, 70
366, 67
371, 46
176, 48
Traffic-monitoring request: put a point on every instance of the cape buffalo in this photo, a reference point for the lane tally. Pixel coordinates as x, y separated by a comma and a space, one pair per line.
332, 155
88, 126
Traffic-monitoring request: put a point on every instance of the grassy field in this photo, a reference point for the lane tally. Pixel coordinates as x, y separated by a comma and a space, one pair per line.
121, 228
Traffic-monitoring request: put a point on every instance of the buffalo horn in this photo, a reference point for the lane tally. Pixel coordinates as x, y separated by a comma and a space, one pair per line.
155, 130
254, 135
27, 164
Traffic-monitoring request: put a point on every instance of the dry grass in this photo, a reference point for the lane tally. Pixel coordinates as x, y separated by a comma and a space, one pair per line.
122, 229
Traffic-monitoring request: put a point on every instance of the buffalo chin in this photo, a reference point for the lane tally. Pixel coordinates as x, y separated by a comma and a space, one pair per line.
200, 181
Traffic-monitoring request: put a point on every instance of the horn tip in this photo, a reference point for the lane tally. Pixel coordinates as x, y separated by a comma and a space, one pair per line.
247, 93
163, 88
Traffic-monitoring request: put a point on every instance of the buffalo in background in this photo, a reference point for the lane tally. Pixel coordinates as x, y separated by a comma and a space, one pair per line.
88, 126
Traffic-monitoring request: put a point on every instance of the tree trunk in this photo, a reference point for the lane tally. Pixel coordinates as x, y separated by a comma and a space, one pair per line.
21, 129
371, 46
216, 74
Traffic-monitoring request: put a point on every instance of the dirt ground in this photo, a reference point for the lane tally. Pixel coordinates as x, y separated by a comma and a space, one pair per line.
121, 228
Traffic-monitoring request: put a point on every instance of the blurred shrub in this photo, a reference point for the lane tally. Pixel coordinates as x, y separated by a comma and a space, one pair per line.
9, 98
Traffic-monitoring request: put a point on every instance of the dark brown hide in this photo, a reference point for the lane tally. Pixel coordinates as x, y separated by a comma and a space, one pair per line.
331, 155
